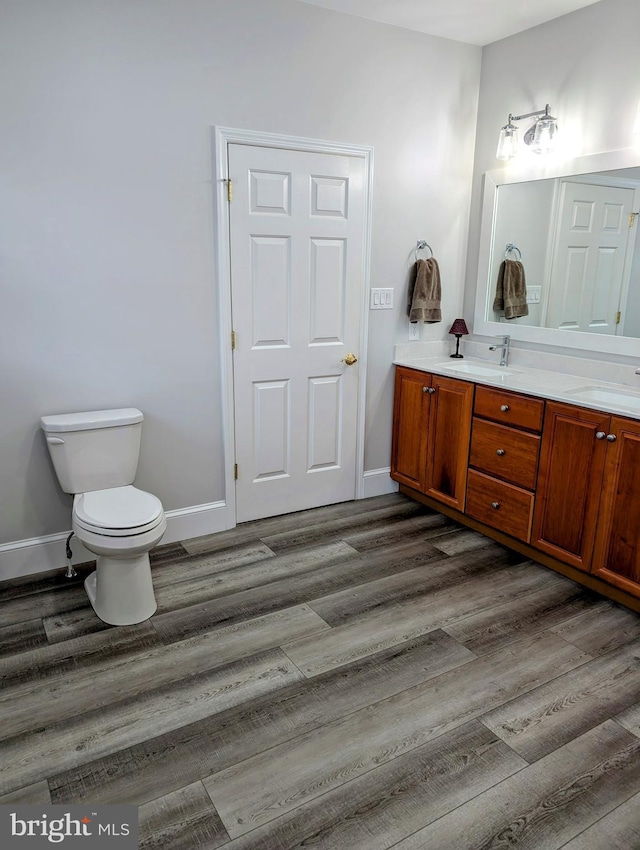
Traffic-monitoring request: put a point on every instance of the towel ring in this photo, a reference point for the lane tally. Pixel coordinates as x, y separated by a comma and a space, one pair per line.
511, 247
420, 246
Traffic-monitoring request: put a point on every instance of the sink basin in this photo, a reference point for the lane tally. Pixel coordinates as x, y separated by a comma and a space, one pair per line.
607, 396
477, 369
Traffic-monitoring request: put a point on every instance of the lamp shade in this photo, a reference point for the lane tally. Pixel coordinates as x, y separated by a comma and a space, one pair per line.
459, 327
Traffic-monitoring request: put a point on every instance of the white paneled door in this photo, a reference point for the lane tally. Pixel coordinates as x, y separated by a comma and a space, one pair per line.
297, 275
589, 274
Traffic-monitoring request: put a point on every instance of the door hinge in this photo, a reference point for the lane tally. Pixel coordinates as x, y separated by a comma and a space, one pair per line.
235, 471
233, 340
632, 218
618, 317
229, 189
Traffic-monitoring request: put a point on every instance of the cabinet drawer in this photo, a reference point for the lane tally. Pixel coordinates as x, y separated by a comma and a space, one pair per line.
500, 505
509, 408
504, 452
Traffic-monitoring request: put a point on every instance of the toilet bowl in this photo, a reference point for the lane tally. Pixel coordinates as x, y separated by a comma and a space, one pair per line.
120, 525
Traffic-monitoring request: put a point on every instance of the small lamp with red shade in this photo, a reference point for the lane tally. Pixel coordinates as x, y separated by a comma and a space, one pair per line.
458, 329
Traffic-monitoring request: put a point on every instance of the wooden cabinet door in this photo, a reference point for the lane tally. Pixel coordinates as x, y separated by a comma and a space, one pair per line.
409, 442
569, 483
617, 550
448, 440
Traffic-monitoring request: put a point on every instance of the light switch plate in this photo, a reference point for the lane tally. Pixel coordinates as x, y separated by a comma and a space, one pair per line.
534, 294
381, 299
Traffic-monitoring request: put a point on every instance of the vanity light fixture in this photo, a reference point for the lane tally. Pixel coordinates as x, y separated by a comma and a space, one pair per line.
541, 136
458, 329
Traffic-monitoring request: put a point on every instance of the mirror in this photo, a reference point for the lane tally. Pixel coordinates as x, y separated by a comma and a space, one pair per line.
580, 250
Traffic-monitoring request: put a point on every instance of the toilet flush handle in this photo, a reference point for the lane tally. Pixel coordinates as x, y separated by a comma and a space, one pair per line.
55, 440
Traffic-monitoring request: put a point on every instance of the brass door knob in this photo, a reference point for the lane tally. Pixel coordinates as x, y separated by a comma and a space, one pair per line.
350, 359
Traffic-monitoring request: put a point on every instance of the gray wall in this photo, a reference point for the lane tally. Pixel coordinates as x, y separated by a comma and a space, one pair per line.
106, 234
585, 65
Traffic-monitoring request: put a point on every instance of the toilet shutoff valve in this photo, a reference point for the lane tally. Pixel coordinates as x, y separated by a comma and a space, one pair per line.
70, 573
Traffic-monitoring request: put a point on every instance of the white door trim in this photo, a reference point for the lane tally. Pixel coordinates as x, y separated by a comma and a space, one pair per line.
222, 138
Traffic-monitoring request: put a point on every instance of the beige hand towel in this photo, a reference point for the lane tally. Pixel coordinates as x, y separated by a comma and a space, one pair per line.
511, 290
425, 292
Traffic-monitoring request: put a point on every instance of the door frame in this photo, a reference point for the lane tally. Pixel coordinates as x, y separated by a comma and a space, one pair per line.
222, 138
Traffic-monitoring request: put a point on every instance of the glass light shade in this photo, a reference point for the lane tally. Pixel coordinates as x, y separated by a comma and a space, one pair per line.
544, 136
507, 142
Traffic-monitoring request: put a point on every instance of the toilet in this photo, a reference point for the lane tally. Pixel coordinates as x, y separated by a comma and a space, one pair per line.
95, 457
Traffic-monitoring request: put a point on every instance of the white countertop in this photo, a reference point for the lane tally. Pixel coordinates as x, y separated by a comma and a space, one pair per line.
619, 399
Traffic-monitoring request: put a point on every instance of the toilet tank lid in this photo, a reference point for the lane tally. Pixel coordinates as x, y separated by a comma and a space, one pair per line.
91, 420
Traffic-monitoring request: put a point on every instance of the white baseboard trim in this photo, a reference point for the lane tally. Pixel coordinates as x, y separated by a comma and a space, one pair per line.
195, 521
40, 554
377, 482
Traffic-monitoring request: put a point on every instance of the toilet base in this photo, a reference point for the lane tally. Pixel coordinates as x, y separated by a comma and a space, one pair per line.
121, 590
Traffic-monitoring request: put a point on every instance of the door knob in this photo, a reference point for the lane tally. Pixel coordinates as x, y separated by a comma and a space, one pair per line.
350, 359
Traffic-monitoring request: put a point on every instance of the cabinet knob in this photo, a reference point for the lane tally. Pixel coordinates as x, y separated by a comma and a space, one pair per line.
504, 407
426, 390
431, 390
500, 452
600, 435
495, 505
611, 438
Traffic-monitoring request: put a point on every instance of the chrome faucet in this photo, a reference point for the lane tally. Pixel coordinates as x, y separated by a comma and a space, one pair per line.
504, 349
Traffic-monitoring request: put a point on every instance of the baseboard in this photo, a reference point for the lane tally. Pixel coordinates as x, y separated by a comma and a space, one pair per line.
196, 521
377, 482
40, 554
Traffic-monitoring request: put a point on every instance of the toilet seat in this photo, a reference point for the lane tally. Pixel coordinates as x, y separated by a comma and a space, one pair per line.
117, 511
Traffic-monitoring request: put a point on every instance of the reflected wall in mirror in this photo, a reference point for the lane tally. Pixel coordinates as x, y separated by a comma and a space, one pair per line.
578, 233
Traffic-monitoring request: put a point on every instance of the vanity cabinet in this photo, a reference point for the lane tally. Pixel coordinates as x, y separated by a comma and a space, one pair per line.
431, 428
558, 482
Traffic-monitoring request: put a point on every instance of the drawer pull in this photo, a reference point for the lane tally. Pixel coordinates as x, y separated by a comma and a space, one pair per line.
495, 505
500, 452
504, 407
611, 438
600, 435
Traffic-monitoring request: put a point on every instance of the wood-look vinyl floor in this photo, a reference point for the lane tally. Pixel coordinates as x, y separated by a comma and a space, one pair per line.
368, 675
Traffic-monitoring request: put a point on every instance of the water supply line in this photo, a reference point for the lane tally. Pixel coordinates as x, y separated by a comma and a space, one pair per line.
70, 573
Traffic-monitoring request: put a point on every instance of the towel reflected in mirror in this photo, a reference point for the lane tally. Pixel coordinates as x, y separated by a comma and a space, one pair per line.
511, 290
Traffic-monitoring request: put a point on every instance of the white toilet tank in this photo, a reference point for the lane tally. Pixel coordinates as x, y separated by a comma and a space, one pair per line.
95, 450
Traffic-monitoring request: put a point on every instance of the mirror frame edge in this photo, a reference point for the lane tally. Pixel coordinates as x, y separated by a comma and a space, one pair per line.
607, 161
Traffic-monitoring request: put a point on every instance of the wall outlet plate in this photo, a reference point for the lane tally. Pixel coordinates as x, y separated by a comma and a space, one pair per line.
414, 332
